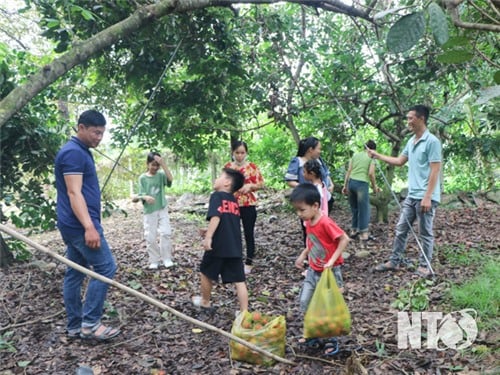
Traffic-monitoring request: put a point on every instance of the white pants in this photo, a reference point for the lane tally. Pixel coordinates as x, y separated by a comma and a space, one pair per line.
155, 223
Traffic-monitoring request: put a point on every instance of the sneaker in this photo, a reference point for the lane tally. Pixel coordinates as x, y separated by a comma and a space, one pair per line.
153, 266
168, 263
248, 269
196, 301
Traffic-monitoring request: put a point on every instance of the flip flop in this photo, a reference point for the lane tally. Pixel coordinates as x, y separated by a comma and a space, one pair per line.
312, 343
331, 347
107, 334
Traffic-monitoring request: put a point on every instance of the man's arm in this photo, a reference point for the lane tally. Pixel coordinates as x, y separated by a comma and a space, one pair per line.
79, 206
397, 161
433, 178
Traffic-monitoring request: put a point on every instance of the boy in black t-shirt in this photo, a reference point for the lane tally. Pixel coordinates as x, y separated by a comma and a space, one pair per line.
223, 249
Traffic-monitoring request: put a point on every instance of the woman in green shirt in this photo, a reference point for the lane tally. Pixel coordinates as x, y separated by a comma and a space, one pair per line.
360, 173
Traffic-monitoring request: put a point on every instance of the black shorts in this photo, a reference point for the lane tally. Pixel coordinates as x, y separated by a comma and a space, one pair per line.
231, 270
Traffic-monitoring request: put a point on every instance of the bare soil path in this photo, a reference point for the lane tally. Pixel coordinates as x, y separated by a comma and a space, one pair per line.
32, 318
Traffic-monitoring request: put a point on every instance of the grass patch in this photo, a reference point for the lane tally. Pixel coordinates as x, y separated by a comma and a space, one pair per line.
459, 255
481, 293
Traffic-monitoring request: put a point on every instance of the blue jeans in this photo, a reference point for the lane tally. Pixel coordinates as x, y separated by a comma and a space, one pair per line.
409, 212
101, 261
359, 200
310, 282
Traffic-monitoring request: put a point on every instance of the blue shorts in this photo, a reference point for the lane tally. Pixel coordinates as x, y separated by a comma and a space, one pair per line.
231, 270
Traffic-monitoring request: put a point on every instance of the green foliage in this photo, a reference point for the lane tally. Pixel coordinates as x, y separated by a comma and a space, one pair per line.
438, 23
414, 297
232, 74
406, 32
19, 250
28, 144
482, 294
460, 255
5, 343
380, 346
267, 150
481, 351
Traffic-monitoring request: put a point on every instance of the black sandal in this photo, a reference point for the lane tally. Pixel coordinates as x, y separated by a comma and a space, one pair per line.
331, 347
313, 343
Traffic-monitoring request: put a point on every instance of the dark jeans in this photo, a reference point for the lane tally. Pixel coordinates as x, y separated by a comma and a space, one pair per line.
359, 200
86, 313
248, 217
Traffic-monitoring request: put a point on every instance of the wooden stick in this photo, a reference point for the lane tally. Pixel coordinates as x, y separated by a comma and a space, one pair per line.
141, 296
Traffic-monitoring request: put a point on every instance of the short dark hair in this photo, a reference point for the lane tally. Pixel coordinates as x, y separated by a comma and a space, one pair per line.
313, 166
237, 144
237, 178
371, 145
421, 111
151, 156
305, 193
92, 117
305, 144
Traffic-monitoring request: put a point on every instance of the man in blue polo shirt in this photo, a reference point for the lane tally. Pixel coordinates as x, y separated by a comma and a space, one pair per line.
79, 221
423, 154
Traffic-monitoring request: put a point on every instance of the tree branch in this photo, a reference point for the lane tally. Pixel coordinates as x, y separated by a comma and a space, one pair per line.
485, 15
85, 50
452, 6
336, 6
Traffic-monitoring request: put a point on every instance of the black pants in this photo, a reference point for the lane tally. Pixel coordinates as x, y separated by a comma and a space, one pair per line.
248, 217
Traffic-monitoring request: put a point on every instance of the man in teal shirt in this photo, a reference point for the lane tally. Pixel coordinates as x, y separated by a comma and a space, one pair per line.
423, 154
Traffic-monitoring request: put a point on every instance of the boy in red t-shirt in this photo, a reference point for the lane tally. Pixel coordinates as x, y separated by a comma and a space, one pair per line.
325, 242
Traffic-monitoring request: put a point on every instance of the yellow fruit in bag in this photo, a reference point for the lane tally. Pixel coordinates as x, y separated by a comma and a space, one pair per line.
327, 314
269, 336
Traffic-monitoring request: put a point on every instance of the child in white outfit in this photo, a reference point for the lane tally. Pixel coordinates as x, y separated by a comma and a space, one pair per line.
156, 220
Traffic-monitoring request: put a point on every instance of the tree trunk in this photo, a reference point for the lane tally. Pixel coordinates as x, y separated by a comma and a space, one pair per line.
381, 203
382, 199
6, 257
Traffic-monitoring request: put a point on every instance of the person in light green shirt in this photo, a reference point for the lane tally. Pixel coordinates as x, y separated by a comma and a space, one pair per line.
360, 173
156, 220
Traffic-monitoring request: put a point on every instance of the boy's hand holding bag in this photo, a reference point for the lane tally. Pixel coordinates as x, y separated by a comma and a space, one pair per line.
327, 314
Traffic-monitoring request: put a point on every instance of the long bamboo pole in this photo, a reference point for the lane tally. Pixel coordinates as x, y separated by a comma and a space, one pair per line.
140, 295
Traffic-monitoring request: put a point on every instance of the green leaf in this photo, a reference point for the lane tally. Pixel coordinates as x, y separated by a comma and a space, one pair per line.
456, 41
88, 16
406, 32
23, 363
438, 24
135, 284
496, 76
455, 56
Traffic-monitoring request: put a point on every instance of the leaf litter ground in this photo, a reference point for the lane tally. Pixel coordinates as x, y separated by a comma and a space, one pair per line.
32, 318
